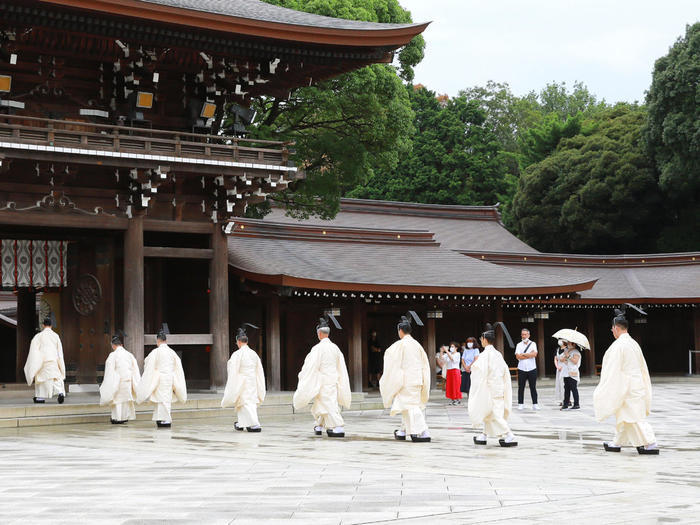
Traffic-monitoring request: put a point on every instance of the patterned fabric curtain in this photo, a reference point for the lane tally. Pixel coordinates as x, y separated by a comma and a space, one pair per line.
34, 264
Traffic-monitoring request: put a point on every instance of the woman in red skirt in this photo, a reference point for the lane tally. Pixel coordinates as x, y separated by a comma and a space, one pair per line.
454, 376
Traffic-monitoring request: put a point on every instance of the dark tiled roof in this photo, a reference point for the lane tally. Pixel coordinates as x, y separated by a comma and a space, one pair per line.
257, 10
630, 284
455, 227
360, 263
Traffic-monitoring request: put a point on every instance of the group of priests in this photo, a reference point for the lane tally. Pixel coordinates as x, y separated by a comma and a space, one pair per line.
624, 390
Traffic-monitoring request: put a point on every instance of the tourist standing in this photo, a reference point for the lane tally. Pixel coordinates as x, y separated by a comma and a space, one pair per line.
453, 380
525, 353
570, 371
559, 378
469, 354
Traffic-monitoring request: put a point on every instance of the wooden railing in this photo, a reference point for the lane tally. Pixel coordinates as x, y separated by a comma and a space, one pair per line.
125, 139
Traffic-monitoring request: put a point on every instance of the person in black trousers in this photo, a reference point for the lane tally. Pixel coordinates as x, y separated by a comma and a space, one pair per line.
525, 353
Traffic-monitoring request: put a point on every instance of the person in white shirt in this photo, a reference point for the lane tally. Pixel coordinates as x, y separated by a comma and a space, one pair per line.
453, 378
122, 377
525, 353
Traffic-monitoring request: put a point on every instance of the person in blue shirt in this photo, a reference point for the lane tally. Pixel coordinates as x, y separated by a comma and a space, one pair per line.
470, 353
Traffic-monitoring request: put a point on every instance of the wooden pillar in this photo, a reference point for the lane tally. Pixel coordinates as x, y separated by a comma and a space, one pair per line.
431, 349
696, 340
590, 354
499, 332
218, 309
134, 287
541, 351
355, 343
26, 328
273, 359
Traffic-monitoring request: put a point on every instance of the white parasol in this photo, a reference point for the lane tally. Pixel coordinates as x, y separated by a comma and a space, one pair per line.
573, 336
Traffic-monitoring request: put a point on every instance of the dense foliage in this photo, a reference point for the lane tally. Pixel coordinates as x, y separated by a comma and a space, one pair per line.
672, 137
571, 172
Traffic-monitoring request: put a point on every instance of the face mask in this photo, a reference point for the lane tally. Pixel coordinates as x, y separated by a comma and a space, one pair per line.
470, 345
452, 349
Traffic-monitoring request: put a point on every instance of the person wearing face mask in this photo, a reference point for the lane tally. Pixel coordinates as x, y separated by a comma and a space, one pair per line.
559, 365
525, 353
470, 352
453, 361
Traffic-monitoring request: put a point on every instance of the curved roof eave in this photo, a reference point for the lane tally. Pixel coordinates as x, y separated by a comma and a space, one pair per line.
302, 282
303, 27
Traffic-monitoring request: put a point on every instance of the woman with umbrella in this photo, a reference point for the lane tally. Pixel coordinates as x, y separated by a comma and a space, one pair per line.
571, 362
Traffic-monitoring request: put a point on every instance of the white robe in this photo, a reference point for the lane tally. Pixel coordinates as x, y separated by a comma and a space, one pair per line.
45, 367
245, 387
118, 388
624, 391
162, 376
405, 384
491, 393
324, 380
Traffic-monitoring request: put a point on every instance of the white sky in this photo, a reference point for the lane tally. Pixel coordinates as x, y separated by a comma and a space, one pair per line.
609, 45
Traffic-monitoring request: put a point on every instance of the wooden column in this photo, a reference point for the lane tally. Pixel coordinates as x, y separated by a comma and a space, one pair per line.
696, 340
134, 287
589, 355
218, 309
431, 349
355, 343
540, 349
26, 328
273, 358
499, 332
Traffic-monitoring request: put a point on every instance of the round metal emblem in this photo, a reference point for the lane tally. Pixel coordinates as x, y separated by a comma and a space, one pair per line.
87, 294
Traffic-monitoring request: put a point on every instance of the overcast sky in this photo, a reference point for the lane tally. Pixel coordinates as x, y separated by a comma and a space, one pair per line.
609, 45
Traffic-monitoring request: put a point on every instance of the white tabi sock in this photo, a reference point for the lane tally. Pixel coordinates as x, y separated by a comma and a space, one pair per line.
425, 434
481, 437
338, 430
401, 433
651, 446
318, 428
509, 437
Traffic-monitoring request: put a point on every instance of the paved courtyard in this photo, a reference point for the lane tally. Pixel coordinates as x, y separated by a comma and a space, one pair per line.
202, 471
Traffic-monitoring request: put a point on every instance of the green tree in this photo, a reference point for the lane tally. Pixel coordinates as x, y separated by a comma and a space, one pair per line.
672, 138
344, 128
456, 158
596, 193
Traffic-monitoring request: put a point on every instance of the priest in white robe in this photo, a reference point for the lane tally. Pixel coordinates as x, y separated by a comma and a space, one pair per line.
324, 381
491, 392
245, 387
405, 384
45, 366
118, 389
624, 391
163, 376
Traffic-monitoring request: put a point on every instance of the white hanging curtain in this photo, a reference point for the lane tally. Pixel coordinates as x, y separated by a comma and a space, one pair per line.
34, 264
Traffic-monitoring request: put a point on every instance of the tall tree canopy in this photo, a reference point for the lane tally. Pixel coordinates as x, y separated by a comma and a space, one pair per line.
672, 137
596, 193
347, 127
455, 159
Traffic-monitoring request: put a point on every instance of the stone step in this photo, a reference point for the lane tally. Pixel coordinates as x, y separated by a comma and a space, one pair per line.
85, 408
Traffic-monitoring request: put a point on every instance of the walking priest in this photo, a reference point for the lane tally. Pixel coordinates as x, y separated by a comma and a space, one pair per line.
245, 387
324, 380
491, 393
405, 384
121, 379
162, 377
624, 391
45, 367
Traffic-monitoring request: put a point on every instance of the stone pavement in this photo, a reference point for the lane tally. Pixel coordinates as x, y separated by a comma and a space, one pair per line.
202, 471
